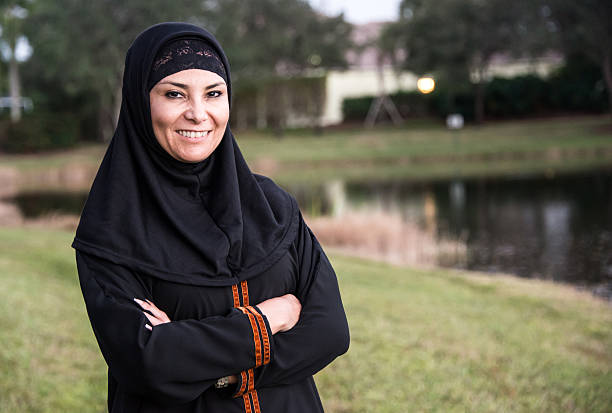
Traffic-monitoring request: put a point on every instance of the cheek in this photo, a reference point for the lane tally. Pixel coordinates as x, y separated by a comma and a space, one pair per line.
159, 117
163, 114
221, 116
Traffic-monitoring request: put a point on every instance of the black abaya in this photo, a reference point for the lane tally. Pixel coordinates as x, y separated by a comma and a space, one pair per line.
173, 367
205, 242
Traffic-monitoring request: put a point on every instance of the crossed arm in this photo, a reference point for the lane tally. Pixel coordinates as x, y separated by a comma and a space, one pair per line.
282, 313
175, 362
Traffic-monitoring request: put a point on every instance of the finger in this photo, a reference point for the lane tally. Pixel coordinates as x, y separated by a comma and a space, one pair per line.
149, 306
152, 319
156, 311
153, 314
142, 304
148, 327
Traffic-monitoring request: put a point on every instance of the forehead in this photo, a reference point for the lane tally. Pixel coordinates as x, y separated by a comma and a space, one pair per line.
194, 78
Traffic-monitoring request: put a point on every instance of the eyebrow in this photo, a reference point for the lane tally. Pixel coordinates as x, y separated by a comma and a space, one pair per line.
183, 86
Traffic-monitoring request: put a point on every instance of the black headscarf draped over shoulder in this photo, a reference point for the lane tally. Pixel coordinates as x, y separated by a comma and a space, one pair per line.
207, 223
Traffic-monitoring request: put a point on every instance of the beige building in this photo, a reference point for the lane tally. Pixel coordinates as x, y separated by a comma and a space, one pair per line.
316, 99
362, 78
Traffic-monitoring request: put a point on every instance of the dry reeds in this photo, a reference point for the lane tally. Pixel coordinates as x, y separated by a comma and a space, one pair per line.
384, 235
53, 221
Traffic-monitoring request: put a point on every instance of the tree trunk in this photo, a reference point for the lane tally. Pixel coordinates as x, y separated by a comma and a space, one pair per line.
607, 72
261, 108
105, 123
117, 100
15, 89
479, 102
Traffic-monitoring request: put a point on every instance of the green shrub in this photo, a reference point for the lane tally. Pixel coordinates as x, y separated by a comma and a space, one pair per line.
516, 97
356, 108
37, 132
576, 87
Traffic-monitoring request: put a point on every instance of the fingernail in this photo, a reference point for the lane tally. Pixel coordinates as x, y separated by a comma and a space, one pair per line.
148, 327
137, 300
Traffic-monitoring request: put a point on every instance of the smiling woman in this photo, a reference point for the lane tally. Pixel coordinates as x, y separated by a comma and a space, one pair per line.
205, 289
189, 111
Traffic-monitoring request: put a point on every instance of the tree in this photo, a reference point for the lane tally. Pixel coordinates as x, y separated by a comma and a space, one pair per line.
457, 38
80, 45
585, 27
267, 40
12, 15
277, 37
80, 49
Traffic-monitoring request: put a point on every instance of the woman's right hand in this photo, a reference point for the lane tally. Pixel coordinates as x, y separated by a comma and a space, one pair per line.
282, 312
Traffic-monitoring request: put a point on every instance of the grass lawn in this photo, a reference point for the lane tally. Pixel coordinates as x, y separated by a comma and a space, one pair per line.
419, 151
422, 340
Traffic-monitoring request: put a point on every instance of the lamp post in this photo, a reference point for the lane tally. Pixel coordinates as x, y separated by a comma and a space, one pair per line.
454, 122
426, 84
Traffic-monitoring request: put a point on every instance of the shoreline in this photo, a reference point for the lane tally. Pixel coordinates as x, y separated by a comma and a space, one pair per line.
68, 223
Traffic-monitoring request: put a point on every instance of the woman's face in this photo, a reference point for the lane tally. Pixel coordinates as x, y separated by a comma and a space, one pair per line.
189, 112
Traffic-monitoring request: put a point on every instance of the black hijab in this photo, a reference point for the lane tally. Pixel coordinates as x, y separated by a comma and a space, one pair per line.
206, 223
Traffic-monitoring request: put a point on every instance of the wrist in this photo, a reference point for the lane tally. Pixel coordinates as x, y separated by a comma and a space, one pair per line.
223, 382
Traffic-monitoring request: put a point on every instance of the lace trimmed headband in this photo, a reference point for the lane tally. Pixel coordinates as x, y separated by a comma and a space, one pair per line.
184, 54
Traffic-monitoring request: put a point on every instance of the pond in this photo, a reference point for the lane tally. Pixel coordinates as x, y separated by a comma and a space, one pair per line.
557, 228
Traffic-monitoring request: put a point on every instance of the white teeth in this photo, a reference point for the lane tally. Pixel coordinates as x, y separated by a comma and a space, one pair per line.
190, 134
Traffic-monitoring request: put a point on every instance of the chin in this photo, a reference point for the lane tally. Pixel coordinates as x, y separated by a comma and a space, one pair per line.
193, 157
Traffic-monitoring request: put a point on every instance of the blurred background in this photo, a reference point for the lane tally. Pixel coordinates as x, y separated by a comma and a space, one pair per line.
453, 156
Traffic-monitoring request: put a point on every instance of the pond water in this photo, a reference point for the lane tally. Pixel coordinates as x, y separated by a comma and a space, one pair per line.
557, 228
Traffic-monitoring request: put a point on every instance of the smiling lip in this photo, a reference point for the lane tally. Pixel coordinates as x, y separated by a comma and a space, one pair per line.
192, 134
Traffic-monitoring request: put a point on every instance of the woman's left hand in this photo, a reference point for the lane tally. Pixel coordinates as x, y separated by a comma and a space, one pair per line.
154, 314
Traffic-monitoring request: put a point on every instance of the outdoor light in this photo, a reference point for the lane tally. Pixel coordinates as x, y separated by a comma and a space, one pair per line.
426, 84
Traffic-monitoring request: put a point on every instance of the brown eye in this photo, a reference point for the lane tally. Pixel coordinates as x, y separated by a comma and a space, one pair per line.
173, 94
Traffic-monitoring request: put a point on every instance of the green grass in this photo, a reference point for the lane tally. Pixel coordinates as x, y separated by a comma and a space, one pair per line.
49, 361
422, 340
390, 143
418, 151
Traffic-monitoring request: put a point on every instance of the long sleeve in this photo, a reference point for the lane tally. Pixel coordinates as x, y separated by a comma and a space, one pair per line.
321, 333
175, 362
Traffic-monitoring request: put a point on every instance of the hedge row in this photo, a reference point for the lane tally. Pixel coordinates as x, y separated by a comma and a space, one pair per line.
577, 87
37, 132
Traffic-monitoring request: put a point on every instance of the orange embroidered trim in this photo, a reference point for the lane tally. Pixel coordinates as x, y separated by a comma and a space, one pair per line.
248, 377
245, 293
247, 403
243, 379
256, 339
251, 380
255, 401
264, 334
236, 296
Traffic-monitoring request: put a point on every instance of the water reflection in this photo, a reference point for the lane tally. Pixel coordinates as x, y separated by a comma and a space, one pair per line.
556, 229
35, 204
559, 229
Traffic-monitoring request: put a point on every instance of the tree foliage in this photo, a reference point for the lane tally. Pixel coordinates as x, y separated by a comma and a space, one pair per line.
79, 46
12, 13
79, 49
584, 28
456, 39
278, 37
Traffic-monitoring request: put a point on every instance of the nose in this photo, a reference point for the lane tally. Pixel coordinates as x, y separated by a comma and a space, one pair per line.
197, 111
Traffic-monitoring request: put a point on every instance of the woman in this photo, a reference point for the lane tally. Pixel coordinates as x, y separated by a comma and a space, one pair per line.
205, 289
